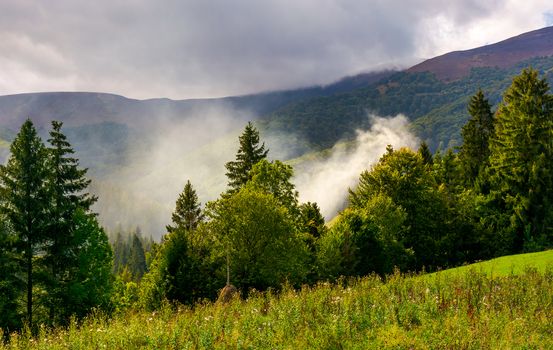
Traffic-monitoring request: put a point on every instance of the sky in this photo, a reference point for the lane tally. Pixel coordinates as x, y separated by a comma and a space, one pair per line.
212, 48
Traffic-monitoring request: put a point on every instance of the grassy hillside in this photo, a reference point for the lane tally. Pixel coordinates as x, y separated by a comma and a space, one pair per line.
505, 265
462, 310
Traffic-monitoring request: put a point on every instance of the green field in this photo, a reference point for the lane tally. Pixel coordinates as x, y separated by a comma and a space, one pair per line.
505, 265
465, 308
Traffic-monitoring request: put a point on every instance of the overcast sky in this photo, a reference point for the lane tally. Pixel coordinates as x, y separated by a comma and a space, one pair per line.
211, 48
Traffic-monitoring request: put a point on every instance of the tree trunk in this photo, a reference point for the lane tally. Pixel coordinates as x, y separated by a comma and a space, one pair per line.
29, 282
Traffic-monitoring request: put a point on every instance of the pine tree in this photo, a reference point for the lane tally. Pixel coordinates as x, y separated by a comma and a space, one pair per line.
10, 284
521, 164
137, 259
476, 133
249, 153
425, 153
120, 254
24, 200
89, 284
67, 185
187, 214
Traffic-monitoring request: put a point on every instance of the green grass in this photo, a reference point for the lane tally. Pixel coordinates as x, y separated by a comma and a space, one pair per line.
506, 265
464, 310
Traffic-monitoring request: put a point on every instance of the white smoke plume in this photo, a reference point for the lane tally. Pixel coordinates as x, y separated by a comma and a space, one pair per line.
326, 181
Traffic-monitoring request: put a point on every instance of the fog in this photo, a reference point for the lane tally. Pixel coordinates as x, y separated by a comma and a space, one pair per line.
140, 187
326, 181
164, 154
160, 158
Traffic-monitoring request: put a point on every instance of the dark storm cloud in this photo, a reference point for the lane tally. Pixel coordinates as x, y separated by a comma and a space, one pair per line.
209, 48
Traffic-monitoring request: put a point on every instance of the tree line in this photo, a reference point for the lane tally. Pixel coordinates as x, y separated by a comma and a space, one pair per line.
412, 210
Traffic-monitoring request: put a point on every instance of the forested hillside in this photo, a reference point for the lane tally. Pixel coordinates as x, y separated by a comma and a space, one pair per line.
437, 109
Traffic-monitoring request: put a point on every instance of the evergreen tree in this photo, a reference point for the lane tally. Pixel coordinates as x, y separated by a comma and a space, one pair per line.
89, 281
10, 283
24, 200
312, 221
120, 254
425, 153
521, 164
173, 273
249, 153
476, 133
447, 171
137, 259
187, 214
67, 185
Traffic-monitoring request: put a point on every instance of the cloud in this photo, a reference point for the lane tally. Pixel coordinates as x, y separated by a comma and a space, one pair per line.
326, 181
183, 49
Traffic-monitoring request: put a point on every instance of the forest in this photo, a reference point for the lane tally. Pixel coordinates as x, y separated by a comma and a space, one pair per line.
412, 211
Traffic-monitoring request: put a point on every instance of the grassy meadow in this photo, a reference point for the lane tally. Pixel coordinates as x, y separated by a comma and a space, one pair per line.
505, 303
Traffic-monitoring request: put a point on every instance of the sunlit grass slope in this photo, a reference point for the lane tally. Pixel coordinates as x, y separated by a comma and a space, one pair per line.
464, 310
506, 265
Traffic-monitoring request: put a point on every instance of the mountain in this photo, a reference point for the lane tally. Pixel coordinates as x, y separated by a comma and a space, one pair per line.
80, 108
433, 94
504, 54
141, 152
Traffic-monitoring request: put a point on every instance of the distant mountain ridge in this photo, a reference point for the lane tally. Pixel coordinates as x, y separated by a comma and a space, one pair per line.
78, 108
504, 54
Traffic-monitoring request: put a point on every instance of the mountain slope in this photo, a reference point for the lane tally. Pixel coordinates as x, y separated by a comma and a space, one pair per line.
436, 108
81, 108
504, 54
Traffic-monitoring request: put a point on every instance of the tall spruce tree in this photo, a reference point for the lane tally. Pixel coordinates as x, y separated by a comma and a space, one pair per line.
187, 214
24, 201
10, 283
89, 281
137, 259
120, 254
249, 153
425, 153
475, 152
67, 185
521, 164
